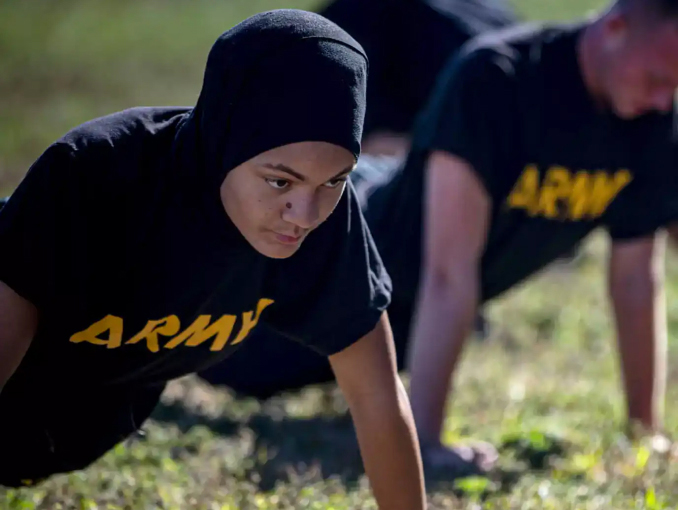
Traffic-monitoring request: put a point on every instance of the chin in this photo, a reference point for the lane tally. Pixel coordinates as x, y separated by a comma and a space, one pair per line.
627, 111
276, 251
626, 114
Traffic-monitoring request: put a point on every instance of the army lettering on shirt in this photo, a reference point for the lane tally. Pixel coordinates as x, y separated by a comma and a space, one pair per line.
108, 332
559, 193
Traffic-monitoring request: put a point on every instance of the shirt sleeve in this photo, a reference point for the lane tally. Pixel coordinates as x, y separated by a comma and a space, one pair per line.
30, 226
473, 114
643, 216
334, 290
650, 202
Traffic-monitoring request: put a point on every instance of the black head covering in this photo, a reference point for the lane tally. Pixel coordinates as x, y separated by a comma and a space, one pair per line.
277, 78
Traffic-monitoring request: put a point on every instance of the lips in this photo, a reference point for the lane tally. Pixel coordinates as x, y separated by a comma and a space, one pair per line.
286, 239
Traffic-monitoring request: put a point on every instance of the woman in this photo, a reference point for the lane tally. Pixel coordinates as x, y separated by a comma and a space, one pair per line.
148, 244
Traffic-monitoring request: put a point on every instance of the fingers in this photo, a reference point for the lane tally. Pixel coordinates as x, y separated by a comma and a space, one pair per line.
485, 456
461, 460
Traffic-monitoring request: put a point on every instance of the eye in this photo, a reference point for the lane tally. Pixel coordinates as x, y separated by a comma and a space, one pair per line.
335, 183
278, 183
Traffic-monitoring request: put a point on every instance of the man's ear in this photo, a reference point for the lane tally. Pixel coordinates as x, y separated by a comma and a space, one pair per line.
615, 29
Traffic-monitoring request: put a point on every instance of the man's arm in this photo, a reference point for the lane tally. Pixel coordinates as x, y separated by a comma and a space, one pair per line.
367, 375
18, 323
636, 288
455, 228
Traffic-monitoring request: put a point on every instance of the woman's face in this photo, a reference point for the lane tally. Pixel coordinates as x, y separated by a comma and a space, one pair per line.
278, 197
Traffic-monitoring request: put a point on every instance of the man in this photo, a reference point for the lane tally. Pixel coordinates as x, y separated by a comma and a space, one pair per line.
533, 138
408, 43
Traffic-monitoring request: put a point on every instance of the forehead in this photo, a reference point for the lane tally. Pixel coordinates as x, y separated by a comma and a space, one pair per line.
310, 160
310, 153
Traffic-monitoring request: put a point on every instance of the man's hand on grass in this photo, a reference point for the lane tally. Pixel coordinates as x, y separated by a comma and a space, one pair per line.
474, 459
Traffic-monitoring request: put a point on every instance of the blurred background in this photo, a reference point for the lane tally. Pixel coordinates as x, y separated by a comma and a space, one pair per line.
65, 62
543, 387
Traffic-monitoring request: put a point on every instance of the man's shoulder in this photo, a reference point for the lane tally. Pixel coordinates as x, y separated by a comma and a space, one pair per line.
474, 17
521, 48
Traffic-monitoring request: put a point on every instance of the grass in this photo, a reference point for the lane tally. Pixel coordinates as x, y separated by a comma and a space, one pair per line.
62, 63
544, 387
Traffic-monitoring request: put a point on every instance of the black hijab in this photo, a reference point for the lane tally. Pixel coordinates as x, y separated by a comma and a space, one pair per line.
277, 78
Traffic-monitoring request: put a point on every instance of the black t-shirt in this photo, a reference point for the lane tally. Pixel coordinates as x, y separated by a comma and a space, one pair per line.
408, 43
514, 106
135, 283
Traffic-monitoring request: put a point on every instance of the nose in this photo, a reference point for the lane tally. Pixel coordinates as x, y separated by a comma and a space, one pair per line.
301, 210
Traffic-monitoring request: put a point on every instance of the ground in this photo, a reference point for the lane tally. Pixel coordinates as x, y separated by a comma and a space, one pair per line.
544, 386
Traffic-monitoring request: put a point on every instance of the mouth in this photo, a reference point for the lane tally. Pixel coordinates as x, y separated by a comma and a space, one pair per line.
286, 239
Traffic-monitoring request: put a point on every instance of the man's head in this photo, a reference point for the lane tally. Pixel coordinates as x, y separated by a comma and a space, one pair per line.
635, 70
276, 198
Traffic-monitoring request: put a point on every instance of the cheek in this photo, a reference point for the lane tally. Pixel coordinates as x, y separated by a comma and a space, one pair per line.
328, 201
631, 78
248, 205
622, 86
260, 208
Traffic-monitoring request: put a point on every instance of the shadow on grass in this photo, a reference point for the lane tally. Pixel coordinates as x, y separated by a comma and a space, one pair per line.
284, 448
326, 447
526, 456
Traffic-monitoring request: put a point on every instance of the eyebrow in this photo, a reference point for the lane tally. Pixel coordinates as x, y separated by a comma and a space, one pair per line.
284, 168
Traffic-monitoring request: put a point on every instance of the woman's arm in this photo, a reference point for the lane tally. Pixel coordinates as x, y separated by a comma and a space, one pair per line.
18, 323
366, 373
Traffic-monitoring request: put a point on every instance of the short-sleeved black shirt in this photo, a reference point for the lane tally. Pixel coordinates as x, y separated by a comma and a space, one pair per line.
514, 105
408, 43
136, 284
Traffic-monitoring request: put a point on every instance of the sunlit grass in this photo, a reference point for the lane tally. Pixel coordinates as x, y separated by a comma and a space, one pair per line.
544, 388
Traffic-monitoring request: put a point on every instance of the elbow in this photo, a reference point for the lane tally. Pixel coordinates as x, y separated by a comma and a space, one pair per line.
460, 276
386, 404
450, 288
396, 408
403, 406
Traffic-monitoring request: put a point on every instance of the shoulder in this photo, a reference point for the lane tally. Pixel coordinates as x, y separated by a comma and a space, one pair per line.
656, 137
488, 58
518, 50
499, 68
120, 135
107, 158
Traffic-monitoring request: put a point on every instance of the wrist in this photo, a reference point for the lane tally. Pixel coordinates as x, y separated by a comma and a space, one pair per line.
638, 426
428, 441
